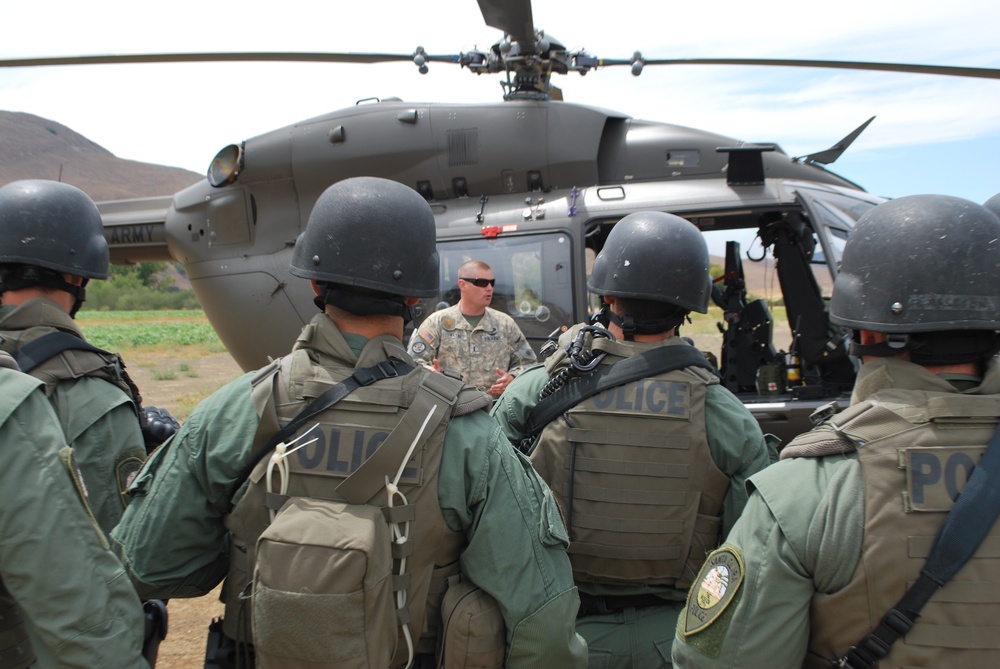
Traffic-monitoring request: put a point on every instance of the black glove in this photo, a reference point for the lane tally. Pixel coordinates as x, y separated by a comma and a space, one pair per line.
155, 611
158, 426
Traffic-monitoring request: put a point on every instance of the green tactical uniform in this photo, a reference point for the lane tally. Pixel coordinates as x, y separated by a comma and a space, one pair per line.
175, 535
98, 418
819, 567
715, 422
64, 598
476, 352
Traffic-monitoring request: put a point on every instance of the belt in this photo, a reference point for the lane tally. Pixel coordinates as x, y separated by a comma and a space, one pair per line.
596, 604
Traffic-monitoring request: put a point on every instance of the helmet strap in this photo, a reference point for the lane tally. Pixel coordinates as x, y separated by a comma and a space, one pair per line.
893, 345
364, 305
934, 348
630, 327
31, 276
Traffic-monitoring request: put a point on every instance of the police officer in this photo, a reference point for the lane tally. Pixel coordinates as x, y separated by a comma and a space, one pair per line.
483, 346
649, 469
51, 244
836, 531
64, 597
479, 511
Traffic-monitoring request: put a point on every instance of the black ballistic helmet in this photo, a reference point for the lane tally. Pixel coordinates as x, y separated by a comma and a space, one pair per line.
53, 225
921, 263
371, 233
993, 204
651, 255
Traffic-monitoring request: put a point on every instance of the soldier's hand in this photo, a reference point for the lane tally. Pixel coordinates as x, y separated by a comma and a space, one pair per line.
503, 380
437, 365
159, 425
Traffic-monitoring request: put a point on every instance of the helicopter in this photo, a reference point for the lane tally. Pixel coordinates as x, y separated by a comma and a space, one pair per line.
530, 184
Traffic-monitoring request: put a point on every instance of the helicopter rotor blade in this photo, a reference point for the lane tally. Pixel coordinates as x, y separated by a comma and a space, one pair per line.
588, 63
513, 17
297, 57
946, 70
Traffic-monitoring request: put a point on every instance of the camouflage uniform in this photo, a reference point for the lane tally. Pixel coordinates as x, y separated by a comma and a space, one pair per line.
473, 352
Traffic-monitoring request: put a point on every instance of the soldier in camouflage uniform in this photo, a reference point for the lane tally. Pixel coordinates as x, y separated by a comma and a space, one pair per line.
483, 346
834, 534
64, 598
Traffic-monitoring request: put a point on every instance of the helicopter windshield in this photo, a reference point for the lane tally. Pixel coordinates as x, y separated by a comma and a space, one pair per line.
533, 279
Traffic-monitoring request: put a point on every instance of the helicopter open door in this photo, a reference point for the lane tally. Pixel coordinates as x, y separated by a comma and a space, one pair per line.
803, 244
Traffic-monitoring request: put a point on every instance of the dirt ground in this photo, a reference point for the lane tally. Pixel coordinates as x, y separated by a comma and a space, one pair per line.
194, 376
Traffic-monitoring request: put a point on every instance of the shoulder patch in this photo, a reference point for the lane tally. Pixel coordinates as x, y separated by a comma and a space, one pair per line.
427, 336
126, 469
713, 589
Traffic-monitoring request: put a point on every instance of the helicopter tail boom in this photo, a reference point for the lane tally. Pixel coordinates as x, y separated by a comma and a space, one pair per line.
134, 229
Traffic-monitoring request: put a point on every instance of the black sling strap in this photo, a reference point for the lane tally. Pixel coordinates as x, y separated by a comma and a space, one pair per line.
640, 366
966, 525
366, 376
39, 350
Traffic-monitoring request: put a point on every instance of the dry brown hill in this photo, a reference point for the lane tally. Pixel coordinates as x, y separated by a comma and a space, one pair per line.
32, 147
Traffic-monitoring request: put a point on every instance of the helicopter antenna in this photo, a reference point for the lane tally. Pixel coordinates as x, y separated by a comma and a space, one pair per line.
829, 155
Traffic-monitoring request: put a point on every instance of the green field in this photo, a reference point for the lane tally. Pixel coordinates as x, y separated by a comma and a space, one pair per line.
131, 330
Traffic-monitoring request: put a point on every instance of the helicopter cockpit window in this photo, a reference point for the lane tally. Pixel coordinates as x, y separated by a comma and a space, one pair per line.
683, 158
533, 279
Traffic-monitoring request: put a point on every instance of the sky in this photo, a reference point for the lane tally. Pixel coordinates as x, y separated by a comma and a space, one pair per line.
931, 134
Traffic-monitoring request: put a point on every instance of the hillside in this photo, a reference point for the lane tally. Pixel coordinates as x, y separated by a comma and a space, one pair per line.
32, 147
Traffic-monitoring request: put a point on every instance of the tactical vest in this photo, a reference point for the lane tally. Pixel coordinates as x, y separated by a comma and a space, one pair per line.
634, 477
15, 645
917, 449
348, 434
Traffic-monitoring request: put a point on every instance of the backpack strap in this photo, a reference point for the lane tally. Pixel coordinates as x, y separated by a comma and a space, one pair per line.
966, 525
639, 366
37, 351
32, 354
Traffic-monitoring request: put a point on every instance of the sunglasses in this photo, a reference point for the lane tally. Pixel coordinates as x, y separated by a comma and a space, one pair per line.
480, 283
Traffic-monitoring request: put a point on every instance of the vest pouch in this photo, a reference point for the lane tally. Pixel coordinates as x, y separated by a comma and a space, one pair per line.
322, 594
473, 630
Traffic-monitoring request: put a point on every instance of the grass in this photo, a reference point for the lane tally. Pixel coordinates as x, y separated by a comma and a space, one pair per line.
148, 330
165, 353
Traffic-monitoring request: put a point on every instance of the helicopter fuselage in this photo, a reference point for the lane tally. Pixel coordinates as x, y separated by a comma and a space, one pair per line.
530, 187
